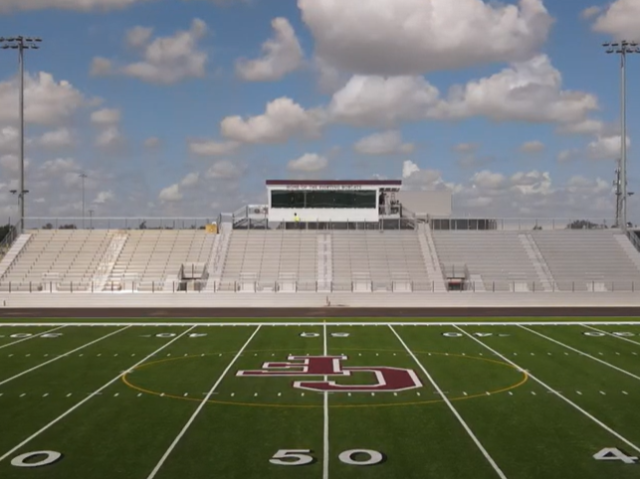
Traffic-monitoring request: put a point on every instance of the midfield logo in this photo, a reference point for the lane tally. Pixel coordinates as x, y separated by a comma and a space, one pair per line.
388, 379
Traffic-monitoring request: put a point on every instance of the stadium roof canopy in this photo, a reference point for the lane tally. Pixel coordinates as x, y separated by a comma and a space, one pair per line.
334, 182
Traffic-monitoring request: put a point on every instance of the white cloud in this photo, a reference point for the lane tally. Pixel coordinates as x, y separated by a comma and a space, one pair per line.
568, 155
47, 101
535, 146
103, 197
80, 5
282, 120
224, 170
165, 60
529, 91
395, 37
170, 194
190, 180
488, 180
379, 101
8, 139
621, 20
211, 147
309, 162
590, 12
587, 126
466, 147
282, 55
110, 137
56, 139
101, 67
106, 116
12, 163
138, 36
152, 142
606, 147
384, 143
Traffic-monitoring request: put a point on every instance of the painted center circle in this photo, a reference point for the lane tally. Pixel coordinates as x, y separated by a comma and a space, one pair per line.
168, 379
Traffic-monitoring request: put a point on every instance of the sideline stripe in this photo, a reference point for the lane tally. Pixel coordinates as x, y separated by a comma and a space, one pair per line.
96, 392
466, 427
611, 334
553, 391
338, 323
34, 336
325, 456
199, 408
2, 383
623, 371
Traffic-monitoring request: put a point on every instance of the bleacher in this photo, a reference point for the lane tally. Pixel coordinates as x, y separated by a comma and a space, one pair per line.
322, 260
61, 259
377, 257
267, 256
589, 260
495, 258
150, 257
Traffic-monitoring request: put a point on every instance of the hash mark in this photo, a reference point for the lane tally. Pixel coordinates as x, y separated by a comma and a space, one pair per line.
510, 393
279, 394
625, 393
185, 395
116, 395
464, 393
233, 394
69, 395
603, 393
395, 394
139, 394
45, 395
533, 393
579, 393
22, 395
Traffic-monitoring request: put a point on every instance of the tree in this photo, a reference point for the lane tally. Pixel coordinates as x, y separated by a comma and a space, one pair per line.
584, 225
4, 231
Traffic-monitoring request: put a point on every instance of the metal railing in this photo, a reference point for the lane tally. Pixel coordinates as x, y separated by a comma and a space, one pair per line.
176, 287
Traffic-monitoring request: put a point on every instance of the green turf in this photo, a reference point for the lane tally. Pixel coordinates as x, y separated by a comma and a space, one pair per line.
125, 431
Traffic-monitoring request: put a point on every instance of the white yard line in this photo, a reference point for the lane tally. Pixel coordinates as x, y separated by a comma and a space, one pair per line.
466, 427
325, 437
96, 392
5, 381
611, 334
200, 407
34, 336
586, 355
333, 323
553, 391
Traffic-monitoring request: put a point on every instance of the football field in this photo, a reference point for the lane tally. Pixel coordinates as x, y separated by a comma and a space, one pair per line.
334, 399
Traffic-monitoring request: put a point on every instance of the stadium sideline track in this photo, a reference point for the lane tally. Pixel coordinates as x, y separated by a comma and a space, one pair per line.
330, 312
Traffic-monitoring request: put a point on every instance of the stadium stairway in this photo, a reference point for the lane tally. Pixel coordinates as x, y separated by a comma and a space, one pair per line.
17, 247
430, 258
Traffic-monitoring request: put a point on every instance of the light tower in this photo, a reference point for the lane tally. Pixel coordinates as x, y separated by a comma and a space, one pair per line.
623, 48
21, 44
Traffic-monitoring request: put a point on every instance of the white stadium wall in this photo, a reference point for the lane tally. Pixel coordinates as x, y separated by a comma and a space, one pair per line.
432, 203
324, 215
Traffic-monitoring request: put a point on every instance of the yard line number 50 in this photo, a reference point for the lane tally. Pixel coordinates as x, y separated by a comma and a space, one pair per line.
302, 457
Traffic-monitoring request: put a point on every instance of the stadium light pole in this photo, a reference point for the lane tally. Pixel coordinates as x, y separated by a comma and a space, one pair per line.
21, 44
623, 48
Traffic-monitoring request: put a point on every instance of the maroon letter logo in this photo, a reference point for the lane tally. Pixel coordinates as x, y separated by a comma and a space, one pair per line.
388, 379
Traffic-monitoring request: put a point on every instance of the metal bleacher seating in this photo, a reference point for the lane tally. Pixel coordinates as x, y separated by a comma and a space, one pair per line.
57, 259
267, 256
497, 258
589, 260
380, 257
149, 257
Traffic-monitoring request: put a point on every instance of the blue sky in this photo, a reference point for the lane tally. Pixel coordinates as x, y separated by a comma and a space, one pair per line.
501, 152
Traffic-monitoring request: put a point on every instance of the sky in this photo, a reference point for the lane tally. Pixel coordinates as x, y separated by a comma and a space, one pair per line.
185, 107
